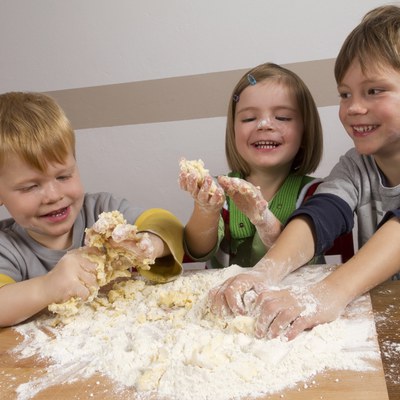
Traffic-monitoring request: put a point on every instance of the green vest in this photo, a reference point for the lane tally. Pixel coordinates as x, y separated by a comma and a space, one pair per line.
241, 240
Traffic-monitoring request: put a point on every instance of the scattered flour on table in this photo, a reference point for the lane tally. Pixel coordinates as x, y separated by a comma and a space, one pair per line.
392, 350
160, 339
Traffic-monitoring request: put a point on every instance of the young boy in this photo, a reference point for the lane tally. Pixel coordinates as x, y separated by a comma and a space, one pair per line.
366, 181
41, 245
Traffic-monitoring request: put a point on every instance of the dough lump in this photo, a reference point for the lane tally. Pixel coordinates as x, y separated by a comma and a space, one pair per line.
197, 168
112, 260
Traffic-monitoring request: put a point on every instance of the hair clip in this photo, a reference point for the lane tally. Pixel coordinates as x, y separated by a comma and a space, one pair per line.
251, 79
235, 98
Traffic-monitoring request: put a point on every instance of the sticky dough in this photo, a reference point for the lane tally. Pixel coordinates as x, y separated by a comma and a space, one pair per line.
196, 167
112, 262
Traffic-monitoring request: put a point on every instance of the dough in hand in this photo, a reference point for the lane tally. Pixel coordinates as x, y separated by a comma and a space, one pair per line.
112, 261
196, 167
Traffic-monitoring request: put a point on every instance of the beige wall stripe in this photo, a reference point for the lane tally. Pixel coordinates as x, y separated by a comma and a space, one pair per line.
177, 98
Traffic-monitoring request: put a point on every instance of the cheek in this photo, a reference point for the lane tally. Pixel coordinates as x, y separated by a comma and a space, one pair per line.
23, 211
391, 115
295, 133
239, 137
76, 188
342, 114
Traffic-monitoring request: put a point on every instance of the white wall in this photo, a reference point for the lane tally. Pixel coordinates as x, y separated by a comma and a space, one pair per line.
49, 45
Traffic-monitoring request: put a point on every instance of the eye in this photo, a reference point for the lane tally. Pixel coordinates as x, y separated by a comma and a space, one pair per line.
248, 119
344, 95
280, 118
26, 189
374, 91
64, 177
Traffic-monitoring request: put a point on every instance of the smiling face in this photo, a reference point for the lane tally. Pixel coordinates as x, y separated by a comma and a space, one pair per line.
45, 203
268, 126
369, 110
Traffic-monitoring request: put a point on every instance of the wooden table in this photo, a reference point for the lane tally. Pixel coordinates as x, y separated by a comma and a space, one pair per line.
386, 305
337, 386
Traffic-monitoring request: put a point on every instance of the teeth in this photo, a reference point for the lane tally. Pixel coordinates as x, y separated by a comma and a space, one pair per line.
363, 129
57, 213
266, 145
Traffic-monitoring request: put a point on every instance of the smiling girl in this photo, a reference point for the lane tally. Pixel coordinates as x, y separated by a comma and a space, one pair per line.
273, 140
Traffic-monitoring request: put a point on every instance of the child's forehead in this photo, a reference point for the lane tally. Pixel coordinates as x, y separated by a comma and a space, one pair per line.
267, 86
42, 165
271, 91
373, 69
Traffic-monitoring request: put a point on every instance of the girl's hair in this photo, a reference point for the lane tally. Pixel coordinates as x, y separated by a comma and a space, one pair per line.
375, 41
35, 128
310, 153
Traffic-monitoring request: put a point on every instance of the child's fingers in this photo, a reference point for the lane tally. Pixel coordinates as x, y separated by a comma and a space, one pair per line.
218, 198
183, 180
88, 277
88, 266
217, 302
82, 292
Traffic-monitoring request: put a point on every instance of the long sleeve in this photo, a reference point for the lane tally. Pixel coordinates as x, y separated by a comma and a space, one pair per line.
168, 227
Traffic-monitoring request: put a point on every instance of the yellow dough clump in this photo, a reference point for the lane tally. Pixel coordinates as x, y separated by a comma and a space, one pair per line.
112, 261
197, 168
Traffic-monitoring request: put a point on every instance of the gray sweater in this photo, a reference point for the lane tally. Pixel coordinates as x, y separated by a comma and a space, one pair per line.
355, 186
23, 258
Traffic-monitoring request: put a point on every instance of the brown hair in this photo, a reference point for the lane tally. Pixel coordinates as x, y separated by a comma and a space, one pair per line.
310, 153
34, 127
376, 40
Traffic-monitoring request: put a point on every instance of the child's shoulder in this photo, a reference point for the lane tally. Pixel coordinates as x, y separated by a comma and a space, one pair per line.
309, 187
6, 224
11, 234
102, 201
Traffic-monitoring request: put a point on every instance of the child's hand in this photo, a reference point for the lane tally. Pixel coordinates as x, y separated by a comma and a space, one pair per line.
145, 246
246, 196
229, 297
285, 312
73, 276
208, 196
250, 201
290, 312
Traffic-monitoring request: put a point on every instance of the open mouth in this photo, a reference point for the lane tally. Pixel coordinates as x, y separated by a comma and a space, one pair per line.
364, 129
56, 214
266, 144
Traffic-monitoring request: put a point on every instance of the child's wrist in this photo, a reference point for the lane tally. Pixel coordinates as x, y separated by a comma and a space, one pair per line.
158, 245
260, 219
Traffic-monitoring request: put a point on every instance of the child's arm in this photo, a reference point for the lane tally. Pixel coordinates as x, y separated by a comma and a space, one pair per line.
250, 202
374, 263
281, 311
73, 276
293, 248
165, 232
201, 231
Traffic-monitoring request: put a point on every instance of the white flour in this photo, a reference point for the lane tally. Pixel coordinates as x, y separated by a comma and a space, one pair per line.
390, 349
157, 340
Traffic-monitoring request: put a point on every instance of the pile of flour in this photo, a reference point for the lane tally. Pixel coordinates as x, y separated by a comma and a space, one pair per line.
158, 338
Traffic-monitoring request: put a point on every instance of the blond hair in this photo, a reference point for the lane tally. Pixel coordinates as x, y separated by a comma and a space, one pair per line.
375, 40
35, 128
310, 153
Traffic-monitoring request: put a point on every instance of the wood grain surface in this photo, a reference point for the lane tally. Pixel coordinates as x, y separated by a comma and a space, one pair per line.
332, 385
386, 306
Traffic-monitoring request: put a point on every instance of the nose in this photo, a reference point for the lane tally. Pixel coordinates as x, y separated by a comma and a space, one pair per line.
264, 123
52, 193
356, 107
